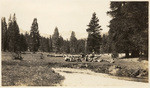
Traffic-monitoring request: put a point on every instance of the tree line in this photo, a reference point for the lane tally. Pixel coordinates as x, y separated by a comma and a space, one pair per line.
14, 41
128, 34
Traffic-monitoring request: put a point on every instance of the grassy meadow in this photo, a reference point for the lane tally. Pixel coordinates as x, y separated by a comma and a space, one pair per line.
31, 71
34, 71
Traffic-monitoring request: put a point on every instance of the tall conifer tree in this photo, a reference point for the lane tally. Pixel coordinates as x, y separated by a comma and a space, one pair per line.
35, 36
50, 44
94, 37
129, 27
73, 43
4, 34
13, 35
55, 41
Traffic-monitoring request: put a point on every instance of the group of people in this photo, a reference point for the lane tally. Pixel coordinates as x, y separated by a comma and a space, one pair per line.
88, 57
72, 58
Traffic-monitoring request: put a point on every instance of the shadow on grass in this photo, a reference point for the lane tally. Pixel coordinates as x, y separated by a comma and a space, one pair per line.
23, 73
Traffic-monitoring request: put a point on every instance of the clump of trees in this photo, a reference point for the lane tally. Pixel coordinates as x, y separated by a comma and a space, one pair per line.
44, 44
14, 41
129, 28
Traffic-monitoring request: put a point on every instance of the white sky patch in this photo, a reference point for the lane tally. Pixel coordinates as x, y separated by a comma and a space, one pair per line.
67, 15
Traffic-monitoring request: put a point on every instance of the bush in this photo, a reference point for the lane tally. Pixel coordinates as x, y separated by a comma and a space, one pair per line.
17, 56
132, 73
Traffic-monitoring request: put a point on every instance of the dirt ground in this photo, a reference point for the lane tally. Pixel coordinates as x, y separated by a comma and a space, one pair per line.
85, 77
34, 71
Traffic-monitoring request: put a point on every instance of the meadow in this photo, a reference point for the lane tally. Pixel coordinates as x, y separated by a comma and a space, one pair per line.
34, 71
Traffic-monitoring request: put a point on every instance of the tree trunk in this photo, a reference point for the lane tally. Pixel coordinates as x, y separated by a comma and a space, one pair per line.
146, 53
114, 51
135, 53
114, 54
126, 53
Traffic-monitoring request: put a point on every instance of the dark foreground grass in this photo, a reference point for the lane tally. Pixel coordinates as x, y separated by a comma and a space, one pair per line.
29, 72
29, 76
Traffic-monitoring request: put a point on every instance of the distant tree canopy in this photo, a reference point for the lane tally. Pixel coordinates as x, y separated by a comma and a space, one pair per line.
27, 37
44, 44
94, 37
66, 46
50, 44
23, 43
81, 46
129, 28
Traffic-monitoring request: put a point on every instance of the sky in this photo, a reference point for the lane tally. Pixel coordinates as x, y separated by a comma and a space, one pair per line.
67, 15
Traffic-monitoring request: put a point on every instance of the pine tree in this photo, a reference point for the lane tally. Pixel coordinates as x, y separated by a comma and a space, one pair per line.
81, 46
73, 43
61, 43
41, 47
94, 37
66, 46
55, 41
44, 44
129, 23
23, 43
137, 14
105, 47
35, 36
4, 34
13, 35
50, 44
27, 37
9, 32
118, 37
47, 43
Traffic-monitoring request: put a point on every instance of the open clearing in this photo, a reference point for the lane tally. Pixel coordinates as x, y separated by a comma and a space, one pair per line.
33, 71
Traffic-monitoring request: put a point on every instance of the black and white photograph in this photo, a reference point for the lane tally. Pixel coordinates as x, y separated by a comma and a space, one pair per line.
74, 43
